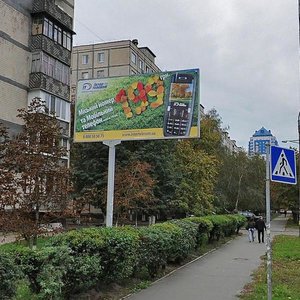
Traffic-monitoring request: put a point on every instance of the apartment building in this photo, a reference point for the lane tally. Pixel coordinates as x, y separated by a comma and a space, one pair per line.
109, 59
229, 144
259, 140
35, 58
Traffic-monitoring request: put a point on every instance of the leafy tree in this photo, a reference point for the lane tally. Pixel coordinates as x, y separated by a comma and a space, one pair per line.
161, 155
133, 189
241, 183
195, 191
211, 133
35, 160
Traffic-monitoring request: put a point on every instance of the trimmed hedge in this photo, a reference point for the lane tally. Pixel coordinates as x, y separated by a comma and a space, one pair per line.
9, 274
78, 260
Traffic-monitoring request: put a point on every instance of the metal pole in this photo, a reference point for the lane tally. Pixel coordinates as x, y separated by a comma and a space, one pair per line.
110, 181
299, 171
268, 224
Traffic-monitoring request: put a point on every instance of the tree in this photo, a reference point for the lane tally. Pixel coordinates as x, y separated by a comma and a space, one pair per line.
195, 190
34, 160
133, 189
241, 182
211, 133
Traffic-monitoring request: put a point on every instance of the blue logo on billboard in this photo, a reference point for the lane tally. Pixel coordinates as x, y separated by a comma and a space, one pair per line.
86, 86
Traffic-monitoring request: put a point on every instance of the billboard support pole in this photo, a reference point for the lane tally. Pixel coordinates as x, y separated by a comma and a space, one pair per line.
110, 181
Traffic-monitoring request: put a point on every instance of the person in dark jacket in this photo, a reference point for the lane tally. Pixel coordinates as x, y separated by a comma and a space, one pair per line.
260, 226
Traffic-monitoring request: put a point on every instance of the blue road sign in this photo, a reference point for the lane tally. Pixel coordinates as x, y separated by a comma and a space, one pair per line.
283, 165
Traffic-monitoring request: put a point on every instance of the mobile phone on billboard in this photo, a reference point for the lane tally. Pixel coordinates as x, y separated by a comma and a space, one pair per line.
180, 105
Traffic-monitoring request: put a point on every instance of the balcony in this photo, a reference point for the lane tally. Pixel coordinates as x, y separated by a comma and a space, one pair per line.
49, 84
49, 7
41, 42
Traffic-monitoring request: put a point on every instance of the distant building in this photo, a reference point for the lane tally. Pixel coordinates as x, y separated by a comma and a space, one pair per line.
109, 59
257, 143
35, 59
230, 144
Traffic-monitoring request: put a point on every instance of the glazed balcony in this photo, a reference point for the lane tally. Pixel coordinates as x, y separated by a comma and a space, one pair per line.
49, 84
48, 7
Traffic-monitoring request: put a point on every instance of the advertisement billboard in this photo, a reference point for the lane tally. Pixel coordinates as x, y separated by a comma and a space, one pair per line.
138, 107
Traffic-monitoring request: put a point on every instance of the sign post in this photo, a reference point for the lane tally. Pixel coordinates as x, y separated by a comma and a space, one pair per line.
282, 165
268, 225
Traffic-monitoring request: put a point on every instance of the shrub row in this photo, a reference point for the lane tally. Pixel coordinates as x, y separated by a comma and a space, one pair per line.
77, 260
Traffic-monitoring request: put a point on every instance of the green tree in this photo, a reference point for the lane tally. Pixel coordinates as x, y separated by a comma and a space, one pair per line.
195, 190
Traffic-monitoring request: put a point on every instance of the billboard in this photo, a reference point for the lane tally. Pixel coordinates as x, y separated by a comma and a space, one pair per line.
138, 107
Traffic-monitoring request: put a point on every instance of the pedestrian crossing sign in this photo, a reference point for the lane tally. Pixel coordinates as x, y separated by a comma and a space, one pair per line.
283, 165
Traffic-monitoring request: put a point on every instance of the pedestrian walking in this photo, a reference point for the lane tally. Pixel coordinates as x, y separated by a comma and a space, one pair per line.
260, 225
251, 230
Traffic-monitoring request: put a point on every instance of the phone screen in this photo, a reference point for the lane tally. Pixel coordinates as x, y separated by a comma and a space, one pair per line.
179, 112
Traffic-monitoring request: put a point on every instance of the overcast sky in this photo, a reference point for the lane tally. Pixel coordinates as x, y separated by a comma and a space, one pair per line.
247, 52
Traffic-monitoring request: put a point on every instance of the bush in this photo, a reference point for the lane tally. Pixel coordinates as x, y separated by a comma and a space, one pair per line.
120, 252
45, 269
177, 244
9, 274
83, 273
222, 226
239, 220
167, 242
190, 233
153, 249
117, 247
205, 227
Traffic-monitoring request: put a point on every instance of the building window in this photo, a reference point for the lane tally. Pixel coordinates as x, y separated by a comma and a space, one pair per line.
147, 69
100, 73
133, 57
54, 32
101, 57
67, 40
42, 62
48, 28
65, 143
37, 26
36, 63
85, 59
85, 75
58, 107
141, 65
57, 35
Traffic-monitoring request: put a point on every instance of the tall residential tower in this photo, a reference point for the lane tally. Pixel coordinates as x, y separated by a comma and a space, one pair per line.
258, 141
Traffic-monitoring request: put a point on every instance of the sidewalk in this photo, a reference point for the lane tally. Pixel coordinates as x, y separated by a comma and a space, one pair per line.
8, 238
220, 275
